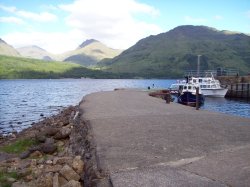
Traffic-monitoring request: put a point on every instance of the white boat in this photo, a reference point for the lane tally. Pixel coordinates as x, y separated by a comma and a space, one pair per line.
210, 86
174, 88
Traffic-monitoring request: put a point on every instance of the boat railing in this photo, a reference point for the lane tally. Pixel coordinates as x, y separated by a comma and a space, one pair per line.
195, 73
215, 73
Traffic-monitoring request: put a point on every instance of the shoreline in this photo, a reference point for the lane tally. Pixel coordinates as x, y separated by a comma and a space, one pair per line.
16, 130
60, 156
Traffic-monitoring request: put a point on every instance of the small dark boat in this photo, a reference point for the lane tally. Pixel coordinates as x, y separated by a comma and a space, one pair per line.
187, 95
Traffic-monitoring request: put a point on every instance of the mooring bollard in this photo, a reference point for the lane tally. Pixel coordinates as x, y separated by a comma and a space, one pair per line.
167, 97
197, 98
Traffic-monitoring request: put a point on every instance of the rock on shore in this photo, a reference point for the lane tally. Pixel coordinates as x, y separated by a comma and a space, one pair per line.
53, 160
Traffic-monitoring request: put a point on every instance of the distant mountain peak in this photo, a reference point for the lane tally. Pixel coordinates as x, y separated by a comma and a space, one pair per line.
191, 28
90, 52
34, 47
2, 41
202, 28
6, 49
34, 51
87, 42
198, 32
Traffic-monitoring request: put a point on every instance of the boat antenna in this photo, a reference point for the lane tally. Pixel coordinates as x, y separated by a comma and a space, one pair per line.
198, 66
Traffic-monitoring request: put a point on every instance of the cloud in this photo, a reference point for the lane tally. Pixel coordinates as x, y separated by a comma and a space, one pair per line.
218, 17
8, 8
193, 20
41, 17
14, 20
56, 42
112, 22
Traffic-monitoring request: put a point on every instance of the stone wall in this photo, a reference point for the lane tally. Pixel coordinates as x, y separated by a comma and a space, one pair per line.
228, 80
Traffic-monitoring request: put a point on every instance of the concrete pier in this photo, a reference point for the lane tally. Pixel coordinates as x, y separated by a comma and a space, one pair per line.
142, 141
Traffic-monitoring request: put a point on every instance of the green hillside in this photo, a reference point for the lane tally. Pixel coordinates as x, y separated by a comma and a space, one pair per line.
82, 59
26, 68
170, 54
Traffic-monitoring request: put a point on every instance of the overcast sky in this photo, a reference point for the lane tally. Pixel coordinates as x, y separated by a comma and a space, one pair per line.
62, 25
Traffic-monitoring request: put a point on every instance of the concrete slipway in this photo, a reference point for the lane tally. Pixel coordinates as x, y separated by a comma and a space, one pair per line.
142, 141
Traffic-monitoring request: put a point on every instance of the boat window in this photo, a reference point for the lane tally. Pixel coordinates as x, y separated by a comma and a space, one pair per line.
181, 87
189, 87
200, 80
194, 81
185, 87
208, 86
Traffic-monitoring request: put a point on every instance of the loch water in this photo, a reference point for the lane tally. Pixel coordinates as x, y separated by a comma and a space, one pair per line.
23, 102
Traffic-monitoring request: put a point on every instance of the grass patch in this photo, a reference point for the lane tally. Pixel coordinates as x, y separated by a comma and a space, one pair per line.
4, 178
19, 146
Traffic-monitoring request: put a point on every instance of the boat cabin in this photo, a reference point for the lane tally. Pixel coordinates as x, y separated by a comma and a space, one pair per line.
205, 82
189, 87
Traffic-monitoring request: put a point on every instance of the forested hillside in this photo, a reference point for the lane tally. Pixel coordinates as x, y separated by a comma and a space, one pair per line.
26, 68
170, 54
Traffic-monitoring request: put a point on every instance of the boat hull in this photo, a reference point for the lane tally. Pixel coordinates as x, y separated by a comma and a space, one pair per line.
188, 98
214, 92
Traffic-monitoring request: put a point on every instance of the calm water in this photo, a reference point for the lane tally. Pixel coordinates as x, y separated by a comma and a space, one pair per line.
23, 101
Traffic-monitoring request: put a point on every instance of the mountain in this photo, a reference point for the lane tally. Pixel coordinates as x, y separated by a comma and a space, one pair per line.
35, 52
87, 42
90, 53
170, 54
6, 49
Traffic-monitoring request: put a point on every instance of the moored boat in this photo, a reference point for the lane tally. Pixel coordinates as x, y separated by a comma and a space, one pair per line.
174, 88
209, 86
187, 95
